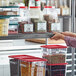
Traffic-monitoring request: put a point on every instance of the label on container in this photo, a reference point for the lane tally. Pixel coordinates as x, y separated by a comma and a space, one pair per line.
39, 71
58, 10
32, 71
11, 13
56, 27
15, 9
41, 26
28, 28
23, 65
65, 11
6, 9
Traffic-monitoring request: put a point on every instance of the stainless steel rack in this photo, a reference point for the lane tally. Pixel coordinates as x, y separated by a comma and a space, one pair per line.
26, 36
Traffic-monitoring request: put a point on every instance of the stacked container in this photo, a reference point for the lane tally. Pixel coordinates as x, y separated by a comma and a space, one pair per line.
25, 65
25, 24
4, 23
4, 2
56, 55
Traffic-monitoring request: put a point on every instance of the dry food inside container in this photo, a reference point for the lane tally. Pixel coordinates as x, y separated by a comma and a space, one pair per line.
28, 65
33, 67
26, 27
4, 23
56, 69
54, 53
40, 26
15, 69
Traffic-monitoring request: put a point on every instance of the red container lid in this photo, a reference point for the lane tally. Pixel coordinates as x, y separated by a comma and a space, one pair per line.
37, 0
35, 7
48, 7
23, 6
57, 64
20, 56
36, 59
54, 46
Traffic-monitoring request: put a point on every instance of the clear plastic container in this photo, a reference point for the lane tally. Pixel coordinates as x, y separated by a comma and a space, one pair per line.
26, 65
35, 12
33, 67
54, 53
15, 64
56, 69
4, 23
13, 29
26, 27
23, 11
4, 2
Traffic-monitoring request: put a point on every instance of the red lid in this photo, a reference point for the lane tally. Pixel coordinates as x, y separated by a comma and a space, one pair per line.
23, 6
54, 46
36, 59
48, 7
35, 7
20, 56
37, 0
57, 64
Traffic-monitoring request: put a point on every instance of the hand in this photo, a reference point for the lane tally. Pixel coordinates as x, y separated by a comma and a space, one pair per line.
58, 36
69, 34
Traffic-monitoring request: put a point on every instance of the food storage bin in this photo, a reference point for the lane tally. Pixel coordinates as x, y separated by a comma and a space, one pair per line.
34, 11
54, 53
4, 2
27, 65
13, 29
4, 23
51, 16
47, 12
40, 26
15, 64
33, 67
13, 20
56, 69
23, 11
8, 13
26, 27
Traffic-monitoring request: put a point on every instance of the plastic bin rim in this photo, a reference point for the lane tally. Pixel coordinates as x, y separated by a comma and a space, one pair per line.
23, 7
27, 58
54, 46
34, 59
20, 56
57, 64
48, 7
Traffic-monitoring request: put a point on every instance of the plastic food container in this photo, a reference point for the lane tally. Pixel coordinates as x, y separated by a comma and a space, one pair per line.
23, 11
56, 69
13, 20
4, 2
26, 27
25, 65
4, 23
35, 11
33, 67
40, 26
15, 64
54, 53
13, 29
